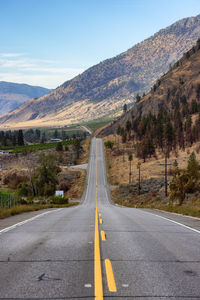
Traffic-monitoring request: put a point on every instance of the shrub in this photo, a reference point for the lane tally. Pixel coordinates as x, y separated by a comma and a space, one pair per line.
24, 190
59, 200
59, 147
14, 179
64, 185
109, 144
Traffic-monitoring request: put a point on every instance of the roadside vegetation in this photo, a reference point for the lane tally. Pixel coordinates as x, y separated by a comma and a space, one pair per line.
135, 183
29, 179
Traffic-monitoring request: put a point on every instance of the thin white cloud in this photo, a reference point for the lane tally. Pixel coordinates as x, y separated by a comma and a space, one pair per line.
21, 69
51, 80
12, 54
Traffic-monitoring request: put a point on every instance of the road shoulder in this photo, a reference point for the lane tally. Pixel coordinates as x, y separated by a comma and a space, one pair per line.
185, 220
12, 220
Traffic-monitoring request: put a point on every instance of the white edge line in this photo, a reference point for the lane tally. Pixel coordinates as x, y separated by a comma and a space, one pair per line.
26, 221
177, 214
195, 230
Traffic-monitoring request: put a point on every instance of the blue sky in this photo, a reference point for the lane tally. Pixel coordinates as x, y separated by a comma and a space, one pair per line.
46, 42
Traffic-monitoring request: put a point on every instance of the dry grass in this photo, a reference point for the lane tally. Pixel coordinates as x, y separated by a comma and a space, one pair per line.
77, 186
86, 152
118, 167
7, 212
190, 208
118, 173
78, 112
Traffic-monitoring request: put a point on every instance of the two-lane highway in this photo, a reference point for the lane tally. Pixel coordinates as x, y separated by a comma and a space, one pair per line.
98, 250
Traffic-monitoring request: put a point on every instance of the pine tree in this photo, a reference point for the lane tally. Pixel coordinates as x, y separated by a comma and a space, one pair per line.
20, 138
125, 108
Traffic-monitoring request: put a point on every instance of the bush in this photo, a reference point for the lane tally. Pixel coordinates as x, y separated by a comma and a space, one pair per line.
59, 147
64, 185
24, 190
13, 180
59, 200
109, 144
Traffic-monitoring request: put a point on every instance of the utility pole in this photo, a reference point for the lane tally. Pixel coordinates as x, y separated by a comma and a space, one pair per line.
166, 183
138, 166
130, 158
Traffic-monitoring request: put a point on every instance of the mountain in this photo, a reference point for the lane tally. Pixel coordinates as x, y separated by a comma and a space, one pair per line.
105, 87
170, 112
15, 94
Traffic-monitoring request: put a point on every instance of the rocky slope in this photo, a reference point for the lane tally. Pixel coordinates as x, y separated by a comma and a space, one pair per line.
177, 93
14, 94
104, 88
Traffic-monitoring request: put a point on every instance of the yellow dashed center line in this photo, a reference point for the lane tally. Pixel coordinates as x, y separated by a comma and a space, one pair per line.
103, 236
98, 286
110, 276
98, 282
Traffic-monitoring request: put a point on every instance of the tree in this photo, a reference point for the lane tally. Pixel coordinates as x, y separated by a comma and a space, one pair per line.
37, 133
14, 140
20, 138
118, 130
45, 176
125, 108
124, 136
193, 167
43, 140
109, 144
194, 107
130, 158
128, 128
178, 186
59, 147
186, 181
55, 134
198, 91
168, 135
77, 147
138, 98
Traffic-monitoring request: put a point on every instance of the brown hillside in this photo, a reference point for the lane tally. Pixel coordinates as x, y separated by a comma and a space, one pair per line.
178, 87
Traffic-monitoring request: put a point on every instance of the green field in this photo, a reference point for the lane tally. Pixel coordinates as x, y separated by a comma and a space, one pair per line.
36, 147
96, 124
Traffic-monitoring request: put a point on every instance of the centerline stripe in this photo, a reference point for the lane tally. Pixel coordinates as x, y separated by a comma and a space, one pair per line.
110, 276
98, 286
103, 235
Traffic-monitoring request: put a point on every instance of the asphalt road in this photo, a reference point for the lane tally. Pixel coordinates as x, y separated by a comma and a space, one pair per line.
98, 250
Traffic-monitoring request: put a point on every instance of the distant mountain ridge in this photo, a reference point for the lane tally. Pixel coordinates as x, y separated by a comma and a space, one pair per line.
105, 87
14, 94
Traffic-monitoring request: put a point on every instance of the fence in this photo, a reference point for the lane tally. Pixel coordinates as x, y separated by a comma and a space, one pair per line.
8, 200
